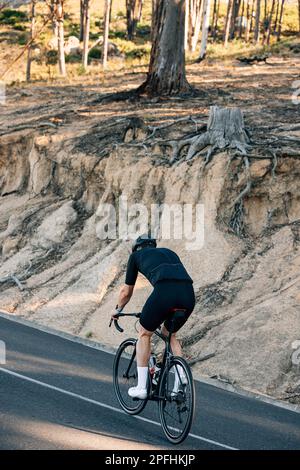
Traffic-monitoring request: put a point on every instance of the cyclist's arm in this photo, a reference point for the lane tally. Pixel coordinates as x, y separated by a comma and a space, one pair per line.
127, 289
125, 295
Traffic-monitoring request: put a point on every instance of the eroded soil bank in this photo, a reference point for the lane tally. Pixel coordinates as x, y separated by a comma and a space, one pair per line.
63, 151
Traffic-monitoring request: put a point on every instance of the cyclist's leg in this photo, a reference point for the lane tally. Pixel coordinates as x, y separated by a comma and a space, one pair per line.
143, 350
175, 344
143, 347
148, 324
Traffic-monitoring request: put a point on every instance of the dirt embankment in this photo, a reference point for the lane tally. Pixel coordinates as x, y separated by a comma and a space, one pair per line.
55, 269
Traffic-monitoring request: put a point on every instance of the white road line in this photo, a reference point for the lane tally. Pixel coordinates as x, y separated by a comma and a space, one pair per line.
103, 405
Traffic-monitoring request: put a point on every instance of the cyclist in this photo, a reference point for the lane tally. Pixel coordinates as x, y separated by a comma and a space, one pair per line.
173, 288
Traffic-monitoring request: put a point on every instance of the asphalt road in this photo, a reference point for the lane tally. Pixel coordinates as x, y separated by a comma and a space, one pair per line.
58, 394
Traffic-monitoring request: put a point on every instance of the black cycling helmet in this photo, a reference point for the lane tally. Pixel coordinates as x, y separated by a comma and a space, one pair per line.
142, 241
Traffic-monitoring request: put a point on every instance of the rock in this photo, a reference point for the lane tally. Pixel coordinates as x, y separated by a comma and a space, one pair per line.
10, 246
112, 49
72, 45
15, 170
54, 228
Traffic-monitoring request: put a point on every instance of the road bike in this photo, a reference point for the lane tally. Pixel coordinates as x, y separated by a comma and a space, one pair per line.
171, 384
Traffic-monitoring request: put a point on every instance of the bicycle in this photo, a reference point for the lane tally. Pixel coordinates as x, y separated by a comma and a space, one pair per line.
175, 402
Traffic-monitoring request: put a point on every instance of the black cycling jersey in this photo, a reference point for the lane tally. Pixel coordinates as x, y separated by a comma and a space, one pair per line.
156, 264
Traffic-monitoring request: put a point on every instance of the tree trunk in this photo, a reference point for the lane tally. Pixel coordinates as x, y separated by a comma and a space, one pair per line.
280, 20
86, 33
81, 30
187, 29
105, 33
257, 22
298, 15
235, 13
247, 32
53, 15
242, 17
61, 37
228, 22
32, 32
265, 21
268, 31
205, 28
194, 23
166, 75
153, 18
133, 14
276, 16
252, 16
216, 18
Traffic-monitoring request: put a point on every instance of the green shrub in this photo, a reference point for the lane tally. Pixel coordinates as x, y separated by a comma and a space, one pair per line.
117, 34
22, 39
73, 58
143, 30
51, 57
12, 17
95, 53
137, 53
19, 27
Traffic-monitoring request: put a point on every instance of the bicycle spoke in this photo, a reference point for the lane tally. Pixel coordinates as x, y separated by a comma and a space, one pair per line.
176, 409
125, 376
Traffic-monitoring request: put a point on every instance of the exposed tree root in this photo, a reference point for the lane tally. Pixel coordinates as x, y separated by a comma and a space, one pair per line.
225, 130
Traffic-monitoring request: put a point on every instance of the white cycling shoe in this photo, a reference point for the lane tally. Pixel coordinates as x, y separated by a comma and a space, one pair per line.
140, 393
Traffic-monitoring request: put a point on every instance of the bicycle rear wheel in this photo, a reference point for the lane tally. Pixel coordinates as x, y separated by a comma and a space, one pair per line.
125, 376
177, 400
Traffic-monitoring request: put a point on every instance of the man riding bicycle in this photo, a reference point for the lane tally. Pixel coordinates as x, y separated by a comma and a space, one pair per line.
172, 289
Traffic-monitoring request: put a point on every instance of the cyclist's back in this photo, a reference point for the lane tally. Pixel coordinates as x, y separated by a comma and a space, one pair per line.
173, 287
156, 264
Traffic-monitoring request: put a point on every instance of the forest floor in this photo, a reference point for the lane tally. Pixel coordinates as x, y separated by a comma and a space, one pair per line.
264, 91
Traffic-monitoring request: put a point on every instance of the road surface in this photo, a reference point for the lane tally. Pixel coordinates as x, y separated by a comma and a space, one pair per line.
58, 394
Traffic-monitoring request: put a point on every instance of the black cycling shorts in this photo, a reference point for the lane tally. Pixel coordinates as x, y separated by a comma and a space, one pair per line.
166, 296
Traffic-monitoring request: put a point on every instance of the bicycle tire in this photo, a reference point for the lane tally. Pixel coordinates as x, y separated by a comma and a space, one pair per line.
170, 432
130, 406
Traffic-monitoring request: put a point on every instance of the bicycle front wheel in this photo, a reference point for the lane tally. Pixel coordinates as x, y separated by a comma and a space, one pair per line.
125, 376
177, 400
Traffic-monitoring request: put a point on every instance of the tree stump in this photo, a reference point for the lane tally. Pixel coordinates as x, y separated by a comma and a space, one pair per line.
225, 130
